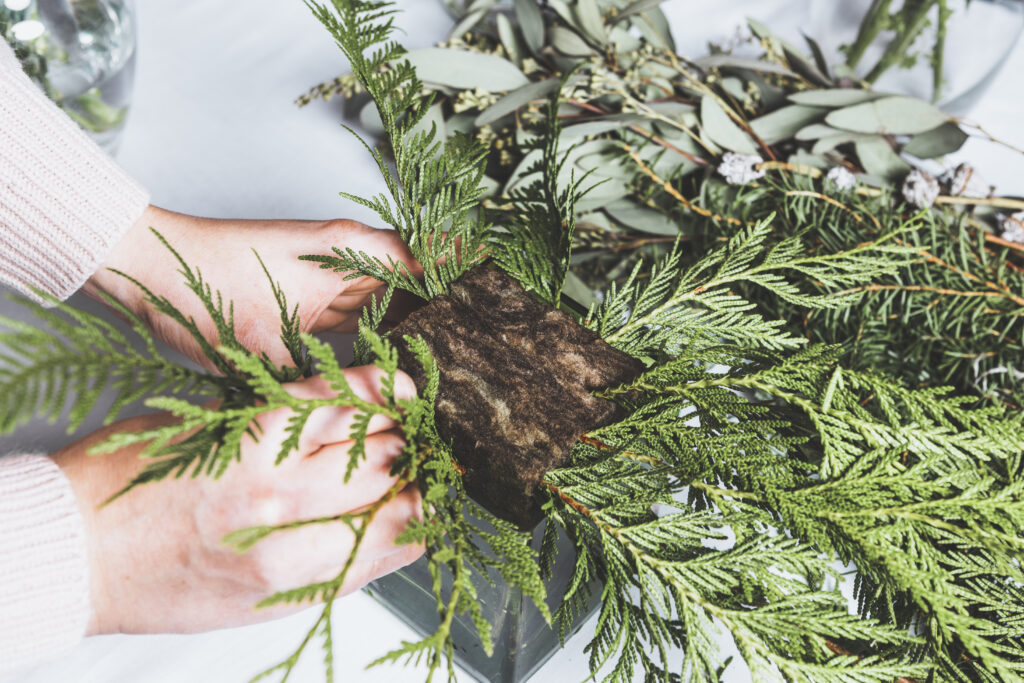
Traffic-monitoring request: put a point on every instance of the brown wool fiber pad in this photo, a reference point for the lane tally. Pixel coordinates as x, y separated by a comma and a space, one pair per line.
516, 377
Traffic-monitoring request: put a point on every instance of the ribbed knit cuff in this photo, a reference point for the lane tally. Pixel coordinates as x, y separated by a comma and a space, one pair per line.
63, 202
44, 564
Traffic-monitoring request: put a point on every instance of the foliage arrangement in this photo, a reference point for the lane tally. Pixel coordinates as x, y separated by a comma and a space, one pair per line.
743, 460
699, 149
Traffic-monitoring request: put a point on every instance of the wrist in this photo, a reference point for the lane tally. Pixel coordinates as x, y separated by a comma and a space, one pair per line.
136, 254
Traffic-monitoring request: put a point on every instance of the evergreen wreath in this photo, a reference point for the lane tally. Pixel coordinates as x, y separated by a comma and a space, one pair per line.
717, 462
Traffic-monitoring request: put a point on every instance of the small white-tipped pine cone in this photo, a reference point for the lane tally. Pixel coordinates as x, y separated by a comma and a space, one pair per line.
965, 181
920, 189
740, 169
840, 178
1013, 227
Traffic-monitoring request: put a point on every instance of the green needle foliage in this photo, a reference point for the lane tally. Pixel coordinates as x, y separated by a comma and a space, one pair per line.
646, 318
746, 466
82, 356
952, 316
435, 186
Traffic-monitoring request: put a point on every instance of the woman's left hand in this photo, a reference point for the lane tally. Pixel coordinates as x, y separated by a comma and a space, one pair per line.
222, 251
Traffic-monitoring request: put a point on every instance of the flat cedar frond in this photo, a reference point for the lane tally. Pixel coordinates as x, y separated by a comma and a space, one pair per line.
537, 246
679, 307
435, 186
915, 488
950, 316
82, 355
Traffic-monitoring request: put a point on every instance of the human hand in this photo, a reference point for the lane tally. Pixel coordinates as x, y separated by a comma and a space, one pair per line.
157, 561
222, 251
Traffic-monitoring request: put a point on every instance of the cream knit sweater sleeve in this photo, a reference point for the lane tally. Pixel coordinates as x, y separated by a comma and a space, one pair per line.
63, 205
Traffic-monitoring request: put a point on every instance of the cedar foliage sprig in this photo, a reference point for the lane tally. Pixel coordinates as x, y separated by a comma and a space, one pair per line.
799, 462
82, 355
536, 247
677, 307
435, 186
950, 317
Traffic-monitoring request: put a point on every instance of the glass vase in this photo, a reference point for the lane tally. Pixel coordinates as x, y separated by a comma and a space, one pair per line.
523, 641
82, 54
858, 37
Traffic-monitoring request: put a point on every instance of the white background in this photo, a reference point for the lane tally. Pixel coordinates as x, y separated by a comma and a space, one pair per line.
214, 132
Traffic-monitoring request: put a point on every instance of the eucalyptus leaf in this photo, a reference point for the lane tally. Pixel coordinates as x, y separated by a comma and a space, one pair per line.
467, 23
623, 40
591, 21
937, 142
636, 7
507, 34
734, 86
588, 128
516, 99
577, 290
783, 123
802, 157
818, 54
466, 70
569, 43
732, 61
601, 192
759, 29
722, 130
522, 172
894, 115
655, 28
816, 131
672, 108
802, 65
369, 119
640, 218
596, 219
531, 23
878, 158
827, 143
834, 97
490, 186
464, 123
563, 10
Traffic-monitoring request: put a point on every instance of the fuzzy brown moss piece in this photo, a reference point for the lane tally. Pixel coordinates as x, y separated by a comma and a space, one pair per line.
516, 377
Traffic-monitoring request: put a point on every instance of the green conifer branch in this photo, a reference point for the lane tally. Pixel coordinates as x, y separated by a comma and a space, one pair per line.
678, 307
82, 355
435, 186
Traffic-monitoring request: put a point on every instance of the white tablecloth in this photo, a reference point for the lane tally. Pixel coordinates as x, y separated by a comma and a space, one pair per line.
214, 132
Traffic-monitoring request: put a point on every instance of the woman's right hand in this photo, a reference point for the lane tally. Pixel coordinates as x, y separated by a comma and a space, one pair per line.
157, 560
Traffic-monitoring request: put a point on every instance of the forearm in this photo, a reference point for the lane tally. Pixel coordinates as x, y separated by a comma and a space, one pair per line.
64, 204
44, 566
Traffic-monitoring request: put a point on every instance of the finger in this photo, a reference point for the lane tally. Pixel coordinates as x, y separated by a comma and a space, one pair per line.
363, 573
325, 549
390, 521
382, 244
325, 473
334, 424
386, 245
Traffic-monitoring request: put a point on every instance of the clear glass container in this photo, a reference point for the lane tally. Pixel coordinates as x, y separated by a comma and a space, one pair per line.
82, 54
523, 641
979, 36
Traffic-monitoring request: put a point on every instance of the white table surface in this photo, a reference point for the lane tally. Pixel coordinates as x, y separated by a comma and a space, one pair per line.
214, 132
